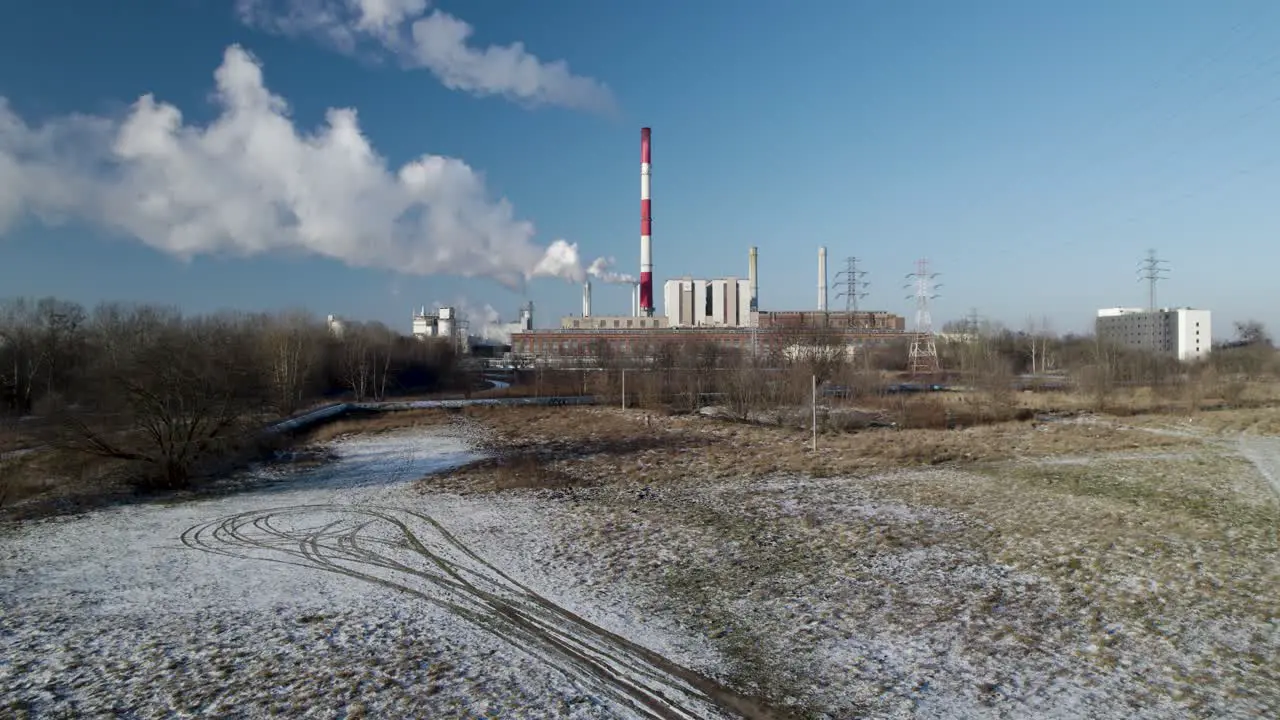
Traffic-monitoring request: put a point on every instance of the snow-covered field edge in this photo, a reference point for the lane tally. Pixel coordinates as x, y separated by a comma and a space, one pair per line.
109, 612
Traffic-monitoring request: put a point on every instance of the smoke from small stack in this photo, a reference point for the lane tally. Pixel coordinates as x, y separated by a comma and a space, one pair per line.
600, 271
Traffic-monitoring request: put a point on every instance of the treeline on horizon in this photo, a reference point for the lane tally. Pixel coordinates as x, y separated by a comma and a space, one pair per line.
171, 392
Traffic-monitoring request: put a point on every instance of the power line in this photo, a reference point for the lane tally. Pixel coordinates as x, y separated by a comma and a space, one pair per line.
853, 284
1152, 270
924, 350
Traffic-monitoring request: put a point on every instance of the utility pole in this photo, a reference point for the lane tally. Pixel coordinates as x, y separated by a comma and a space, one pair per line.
924, 350
1153, 270
851, 278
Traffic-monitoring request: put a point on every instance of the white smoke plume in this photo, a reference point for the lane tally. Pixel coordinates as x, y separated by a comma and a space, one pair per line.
599, 269
483, 321
437, 42
251, 182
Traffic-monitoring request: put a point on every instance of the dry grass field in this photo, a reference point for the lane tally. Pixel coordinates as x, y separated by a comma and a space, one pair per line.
1071, 563
1117, 566
644, 446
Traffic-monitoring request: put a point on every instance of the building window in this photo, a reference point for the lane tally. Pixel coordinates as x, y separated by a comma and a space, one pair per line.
616, 323
577, 323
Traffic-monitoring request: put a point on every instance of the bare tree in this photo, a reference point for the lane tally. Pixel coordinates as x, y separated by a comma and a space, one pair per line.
172, 394
1252, 332
1098, 377
745, 387
357, 362
367, 354
290, 343
38, 348
1032, 337
1046, 338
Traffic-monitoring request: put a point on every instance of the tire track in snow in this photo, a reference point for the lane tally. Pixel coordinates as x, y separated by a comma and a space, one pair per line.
1264, 453
413, 553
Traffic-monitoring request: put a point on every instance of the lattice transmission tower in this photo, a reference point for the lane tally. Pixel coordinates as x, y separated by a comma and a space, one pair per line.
854, 286
924, 350
1152, 270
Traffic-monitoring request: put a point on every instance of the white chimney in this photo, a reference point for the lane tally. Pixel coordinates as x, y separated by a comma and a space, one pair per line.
822, 279
586, 299
752, 279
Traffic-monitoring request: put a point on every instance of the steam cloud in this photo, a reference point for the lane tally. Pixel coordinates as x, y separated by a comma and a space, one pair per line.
482, 321
250, 183
599, 269
437, 42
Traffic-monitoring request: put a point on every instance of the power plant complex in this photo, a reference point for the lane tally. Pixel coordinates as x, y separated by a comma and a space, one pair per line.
724, 311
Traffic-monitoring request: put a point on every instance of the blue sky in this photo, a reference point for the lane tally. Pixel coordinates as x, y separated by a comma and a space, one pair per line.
1032, 150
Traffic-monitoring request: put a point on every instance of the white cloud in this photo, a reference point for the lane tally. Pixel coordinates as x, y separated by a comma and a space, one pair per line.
250, 182
438, 42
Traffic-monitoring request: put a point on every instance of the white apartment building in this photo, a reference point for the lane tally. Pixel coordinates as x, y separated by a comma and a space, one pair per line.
1184, 333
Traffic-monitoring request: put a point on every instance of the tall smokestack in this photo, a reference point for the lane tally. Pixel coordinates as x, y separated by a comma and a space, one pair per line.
646, 240
822, 279
752, 278
586, 299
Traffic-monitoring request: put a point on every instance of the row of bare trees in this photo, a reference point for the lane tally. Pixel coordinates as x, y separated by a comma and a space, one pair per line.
779, 373
171, 393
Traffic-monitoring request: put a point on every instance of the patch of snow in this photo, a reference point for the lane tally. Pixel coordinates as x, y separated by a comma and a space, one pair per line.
827, 595
1264, 453
329, 591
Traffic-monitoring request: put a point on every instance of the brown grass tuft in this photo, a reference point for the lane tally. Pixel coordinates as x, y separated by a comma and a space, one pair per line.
67, 477
377, 422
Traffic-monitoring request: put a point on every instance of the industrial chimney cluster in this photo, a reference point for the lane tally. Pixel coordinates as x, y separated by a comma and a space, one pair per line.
689, 302
724, 310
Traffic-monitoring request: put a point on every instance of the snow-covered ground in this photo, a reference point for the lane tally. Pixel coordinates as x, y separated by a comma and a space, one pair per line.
1116, 585
330, 591
867, 597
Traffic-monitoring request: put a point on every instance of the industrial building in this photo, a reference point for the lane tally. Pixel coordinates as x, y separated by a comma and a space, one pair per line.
448, 323
443, 323
862, 321
708, 303
724, 311
1184, 333
612, 322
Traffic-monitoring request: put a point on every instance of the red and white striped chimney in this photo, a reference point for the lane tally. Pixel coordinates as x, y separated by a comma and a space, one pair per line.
646, 246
